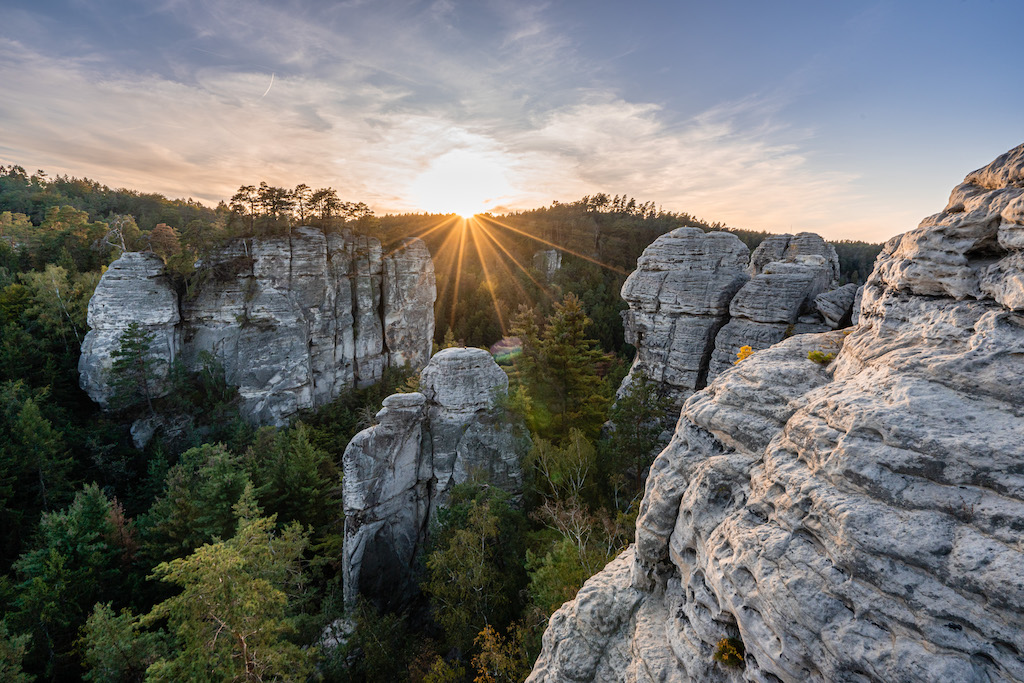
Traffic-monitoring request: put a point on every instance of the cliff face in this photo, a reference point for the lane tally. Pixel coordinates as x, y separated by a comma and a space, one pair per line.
294, 320
399, 471
855, 522
696, 298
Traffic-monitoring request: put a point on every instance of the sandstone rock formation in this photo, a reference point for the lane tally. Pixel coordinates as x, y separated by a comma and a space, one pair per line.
696, 298
135, 288
399, 471
293, 319
678, 300
855, 522
788, 273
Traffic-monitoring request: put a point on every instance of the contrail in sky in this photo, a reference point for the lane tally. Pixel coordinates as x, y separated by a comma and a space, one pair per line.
269, 86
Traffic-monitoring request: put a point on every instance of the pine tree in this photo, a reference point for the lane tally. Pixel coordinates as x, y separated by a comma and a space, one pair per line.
229, 618
135, 371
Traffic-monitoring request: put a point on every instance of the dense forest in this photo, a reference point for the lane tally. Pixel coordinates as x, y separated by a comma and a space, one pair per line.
213, 553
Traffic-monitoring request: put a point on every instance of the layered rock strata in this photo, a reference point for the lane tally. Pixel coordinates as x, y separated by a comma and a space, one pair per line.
399, 471
135, 288
678, 300
695, 299
293, 319
855, 522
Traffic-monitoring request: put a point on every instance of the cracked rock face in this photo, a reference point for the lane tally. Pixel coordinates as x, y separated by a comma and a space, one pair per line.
678, 300
135, 288
399, 471
695, 299
293, 319
855, 522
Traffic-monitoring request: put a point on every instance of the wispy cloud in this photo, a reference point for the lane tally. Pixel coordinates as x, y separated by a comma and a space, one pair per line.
369, 121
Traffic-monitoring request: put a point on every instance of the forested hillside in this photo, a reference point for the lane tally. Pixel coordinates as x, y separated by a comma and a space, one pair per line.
213, 552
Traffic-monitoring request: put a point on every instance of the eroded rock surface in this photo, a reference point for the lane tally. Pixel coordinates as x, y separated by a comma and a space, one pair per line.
678, 300
293, 319
135, 288
399, 471
855, 522
695, 299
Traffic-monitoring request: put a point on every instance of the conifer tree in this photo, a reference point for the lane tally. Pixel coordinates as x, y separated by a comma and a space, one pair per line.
135, 372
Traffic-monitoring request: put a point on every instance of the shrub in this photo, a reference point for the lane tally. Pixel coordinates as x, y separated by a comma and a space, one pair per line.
729, 652
744, 353
821, 357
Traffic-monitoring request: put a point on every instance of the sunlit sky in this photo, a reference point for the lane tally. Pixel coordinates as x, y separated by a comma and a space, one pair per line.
853, 119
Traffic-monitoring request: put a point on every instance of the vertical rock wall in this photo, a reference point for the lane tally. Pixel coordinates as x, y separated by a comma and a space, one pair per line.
399, 471
135, 288
294, 319
695, 299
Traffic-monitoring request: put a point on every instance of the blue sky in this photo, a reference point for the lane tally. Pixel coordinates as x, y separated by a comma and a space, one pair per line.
853, 119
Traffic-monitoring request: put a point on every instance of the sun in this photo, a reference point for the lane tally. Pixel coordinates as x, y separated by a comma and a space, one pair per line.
463, 181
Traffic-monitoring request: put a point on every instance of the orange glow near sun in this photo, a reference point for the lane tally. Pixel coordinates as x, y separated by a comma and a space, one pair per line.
462, 181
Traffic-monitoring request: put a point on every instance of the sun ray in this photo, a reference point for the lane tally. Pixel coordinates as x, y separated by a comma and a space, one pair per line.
490, 282
614, 269
458, 273
446, 221
542, 287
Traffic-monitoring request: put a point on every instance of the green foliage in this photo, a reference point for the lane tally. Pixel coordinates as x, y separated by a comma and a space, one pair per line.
558, 368
730, 652
115, 648
35, 469
12, 652
585, 543
821, 357
562, 472
474, 571
502, 659
78, 559
229, 620
638, 418
379, 648
135, 372
196, 506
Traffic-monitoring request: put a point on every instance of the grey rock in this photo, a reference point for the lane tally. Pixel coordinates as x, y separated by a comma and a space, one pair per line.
789, 247
409, 294
293, 319
853, 522
678, 299
836, 305
779, 300
135, 288
398, 472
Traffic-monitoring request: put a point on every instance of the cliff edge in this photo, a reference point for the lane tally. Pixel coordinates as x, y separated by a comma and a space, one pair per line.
856, 521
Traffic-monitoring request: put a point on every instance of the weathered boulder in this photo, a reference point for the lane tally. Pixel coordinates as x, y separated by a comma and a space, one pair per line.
695, 299
779, 300
135, 288
855, 522
293, 319
399, 471
678, 299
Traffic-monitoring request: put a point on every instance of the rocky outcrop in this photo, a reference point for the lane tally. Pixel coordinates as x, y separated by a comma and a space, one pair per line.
695, 299
788, 274
399, 471
135, 288
859, 521
678, 300
293, 319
